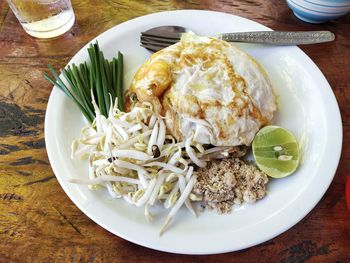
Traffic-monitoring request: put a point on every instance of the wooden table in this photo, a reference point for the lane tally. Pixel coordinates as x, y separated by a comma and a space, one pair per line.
39, 223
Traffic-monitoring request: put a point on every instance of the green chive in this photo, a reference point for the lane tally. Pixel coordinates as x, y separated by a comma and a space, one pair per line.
68, 93
99, 88
104, 81
99, 77
114, 77
120, 83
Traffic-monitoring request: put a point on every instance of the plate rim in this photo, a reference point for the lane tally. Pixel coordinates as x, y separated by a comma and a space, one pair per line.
49, 124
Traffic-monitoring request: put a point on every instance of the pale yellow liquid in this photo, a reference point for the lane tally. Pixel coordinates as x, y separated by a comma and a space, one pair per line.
44, 18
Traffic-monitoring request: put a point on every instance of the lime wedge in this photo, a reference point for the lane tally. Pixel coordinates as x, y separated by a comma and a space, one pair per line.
276, 151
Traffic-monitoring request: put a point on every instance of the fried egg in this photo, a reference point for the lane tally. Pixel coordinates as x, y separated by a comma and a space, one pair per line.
208, 89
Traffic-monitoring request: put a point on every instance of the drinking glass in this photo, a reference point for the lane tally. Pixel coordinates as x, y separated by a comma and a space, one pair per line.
44, 18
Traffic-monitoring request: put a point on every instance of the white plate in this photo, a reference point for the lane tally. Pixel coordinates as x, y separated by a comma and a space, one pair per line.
307, 107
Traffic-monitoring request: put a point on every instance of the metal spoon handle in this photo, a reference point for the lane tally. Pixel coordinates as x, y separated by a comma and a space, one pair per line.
279, 37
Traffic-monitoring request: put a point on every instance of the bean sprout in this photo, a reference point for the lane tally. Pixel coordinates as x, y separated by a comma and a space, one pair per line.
161, 134
153, 138
103, 178
178, 204
136, 160
191, 153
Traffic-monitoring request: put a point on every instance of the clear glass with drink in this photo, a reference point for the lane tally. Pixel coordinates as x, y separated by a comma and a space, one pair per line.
44, 18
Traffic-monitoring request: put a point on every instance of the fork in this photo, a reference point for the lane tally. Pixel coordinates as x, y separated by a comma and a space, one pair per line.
156, 42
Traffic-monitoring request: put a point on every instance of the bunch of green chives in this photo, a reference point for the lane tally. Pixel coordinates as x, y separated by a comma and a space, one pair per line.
99, 77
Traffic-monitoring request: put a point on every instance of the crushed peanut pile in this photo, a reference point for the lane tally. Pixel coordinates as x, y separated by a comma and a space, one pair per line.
226, 182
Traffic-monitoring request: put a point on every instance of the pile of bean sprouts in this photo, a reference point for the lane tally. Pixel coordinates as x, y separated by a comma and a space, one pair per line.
132, 155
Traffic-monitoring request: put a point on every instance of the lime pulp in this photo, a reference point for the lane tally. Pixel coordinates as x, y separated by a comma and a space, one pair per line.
276, 151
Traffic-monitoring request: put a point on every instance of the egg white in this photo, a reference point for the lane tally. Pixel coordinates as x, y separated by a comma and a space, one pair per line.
217, 93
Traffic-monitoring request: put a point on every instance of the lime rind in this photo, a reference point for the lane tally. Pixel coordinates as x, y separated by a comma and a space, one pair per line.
274, 173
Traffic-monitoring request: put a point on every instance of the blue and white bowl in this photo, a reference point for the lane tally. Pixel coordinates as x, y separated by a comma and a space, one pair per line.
319, 11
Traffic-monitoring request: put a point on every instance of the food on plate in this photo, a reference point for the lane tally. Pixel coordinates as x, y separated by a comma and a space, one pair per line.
276, 151
190, 114
207, 88
132, 156
230, 181
99, 77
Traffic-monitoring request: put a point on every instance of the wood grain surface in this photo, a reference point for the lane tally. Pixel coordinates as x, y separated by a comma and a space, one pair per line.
39, 223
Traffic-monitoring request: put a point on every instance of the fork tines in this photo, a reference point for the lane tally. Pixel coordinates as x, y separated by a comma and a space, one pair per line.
173, 36
157, 42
